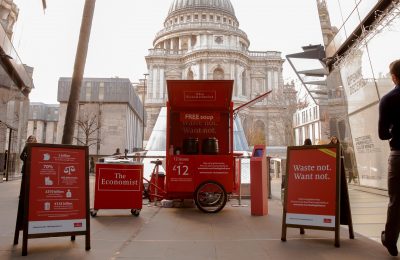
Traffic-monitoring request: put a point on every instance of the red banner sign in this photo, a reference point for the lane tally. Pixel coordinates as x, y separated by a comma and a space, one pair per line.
200, 95
118, 186
119, 180
199, 117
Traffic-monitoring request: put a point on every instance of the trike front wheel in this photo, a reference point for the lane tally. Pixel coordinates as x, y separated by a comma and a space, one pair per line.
210, 197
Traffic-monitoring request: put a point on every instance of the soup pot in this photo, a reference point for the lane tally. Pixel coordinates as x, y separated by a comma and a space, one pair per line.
190, 145
210, 146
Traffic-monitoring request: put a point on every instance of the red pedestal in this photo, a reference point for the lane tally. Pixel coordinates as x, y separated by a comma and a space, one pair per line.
259, 181
118, 186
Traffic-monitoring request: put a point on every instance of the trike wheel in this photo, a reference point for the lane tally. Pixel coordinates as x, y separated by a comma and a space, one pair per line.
93, 212
135, 212
210, 197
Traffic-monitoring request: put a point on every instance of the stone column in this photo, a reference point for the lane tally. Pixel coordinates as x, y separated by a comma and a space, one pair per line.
161, 84
155, 82
269, 79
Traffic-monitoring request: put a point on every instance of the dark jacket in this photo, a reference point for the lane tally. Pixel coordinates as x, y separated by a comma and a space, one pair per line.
24, 157
389, 120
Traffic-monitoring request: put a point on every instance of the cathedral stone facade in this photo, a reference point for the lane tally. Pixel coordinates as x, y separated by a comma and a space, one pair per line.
201, 40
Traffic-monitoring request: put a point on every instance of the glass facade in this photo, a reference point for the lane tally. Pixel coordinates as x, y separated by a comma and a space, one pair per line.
364, 70
345, 16
157, 144
157, 140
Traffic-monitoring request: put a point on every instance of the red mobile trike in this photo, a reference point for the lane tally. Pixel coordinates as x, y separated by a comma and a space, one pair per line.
200, 162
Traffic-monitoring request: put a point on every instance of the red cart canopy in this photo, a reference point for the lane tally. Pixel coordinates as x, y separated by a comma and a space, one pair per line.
200, 94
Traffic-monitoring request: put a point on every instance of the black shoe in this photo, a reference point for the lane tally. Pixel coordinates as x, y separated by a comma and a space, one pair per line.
391, 249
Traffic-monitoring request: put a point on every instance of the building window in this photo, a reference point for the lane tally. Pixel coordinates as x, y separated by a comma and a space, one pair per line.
218, 18
88, 91
193, 40
218, 73
34, 127
315, 113
54, 134
101, 91
244, 93
188, 18
184, 43
190, 75
196, 17
211, 17
224, 19
203, 17
44, 132
219, 39
181, 18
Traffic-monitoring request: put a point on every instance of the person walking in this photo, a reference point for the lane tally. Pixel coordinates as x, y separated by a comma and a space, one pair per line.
348, 163
24, 154
91, 165
23, 157
117, 152
389, 129
334, 140
307, 141
5, 160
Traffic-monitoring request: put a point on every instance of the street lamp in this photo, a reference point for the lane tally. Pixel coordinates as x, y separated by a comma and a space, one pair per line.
143, 102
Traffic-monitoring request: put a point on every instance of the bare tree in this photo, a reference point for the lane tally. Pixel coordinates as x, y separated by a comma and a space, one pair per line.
88, 129
256, 136
287, 101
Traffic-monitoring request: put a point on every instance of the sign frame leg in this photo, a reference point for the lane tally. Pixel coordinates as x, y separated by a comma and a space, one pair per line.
284, 230
337, 237
87, 241
17, 229
25, 244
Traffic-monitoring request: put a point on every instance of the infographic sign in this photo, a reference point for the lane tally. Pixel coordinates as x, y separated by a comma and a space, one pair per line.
57, 190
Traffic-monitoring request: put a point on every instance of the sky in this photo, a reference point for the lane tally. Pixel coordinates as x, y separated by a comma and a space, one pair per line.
123, 31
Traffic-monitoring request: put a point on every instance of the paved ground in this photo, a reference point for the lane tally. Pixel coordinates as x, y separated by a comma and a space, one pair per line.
186, 233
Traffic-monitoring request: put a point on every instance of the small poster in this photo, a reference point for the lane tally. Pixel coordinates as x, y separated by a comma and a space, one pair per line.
312, 187
316, 193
